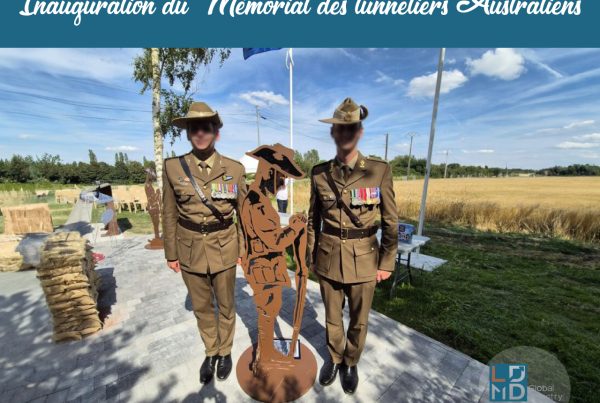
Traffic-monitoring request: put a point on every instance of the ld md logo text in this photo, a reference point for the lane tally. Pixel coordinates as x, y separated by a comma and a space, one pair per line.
508, 382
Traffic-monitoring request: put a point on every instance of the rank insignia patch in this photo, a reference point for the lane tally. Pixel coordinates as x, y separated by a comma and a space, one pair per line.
223, 191
227, 177
364, 196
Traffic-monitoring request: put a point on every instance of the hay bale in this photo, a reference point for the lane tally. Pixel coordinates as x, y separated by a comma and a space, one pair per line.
27, 218
10, 259
70, 284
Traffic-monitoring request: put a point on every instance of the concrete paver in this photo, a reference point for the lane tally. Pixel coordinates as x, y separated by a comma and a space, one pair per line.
150, 349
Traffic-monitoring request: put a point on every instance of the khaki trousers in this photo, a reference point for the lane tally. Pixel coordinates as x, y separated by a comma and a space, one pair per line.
216, 331
347, 347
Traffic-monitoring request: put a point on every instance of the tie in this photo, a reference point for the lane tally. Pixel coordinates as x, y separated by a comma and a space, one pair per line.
346, 172
203, 169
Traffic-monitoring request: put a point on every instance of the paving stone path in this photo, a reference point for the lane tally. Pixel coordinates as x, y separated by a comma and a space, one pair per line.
150, 349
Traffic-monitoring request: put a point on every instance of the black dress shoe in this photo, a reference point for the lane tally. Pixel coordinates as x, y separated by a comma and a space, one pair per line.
328, 373
224, 367
207, 370
350, 379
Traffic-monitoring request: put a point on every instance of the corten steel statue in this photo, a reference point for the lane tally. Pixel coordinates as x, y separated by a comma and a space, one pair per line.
264, 262
154, 208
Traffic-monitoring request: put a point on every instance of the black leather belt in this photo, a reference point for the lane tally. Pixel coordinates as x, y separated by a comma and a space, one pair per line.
205, 228
350, 233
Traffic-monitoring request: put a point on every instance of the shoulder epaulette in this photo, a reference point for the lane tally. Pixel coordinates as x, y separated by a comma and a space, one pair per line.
376, 159
318, 168
231, 159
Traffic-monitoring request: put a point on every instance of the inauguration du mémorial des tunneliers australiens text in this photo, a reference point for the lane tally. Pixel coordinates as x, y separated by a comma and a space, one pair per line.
233, 8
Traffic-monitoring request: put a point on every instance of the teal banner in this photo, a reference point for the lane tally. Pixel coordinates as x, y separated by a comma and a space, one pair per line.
355, 23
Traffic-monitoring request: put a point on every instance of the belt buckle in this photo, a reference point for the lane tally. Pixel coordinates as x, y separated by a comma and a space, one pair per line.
203, 229
344, 233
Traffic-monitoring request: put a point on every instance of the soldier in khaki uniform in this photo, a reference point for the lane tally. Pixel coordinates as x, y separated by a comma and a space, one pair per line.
348, 194
200, 236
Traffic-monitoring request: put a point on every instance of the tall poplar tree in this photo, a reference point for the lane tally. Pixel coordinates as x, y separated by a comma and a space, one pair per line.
175, 66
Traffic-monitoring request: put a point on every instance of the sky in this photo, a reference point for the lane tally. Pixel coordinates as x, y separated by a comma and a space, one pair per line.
521, 108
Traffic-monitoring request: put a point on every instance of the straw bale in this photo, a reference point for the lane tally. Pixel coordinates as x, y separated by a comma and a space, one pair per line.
70, 284
27, 218
10, 259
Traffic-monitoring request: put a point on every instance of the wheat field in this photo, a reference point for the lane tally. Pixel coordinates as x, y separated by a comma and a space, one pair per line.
562, 207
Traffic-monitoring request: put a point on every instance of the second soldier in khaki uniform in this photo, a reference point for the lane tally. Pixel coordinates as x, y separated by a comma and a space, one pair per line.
200, 236
348, 195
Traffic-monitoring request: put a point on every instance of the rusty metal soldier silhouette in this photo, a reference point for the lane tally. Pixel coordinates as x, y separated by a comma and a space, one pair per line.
154, 208
265, 266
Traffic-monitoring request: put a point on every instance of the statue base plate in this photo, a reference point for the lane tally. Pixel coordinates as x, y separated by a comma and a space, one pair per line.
155, 243
278, 386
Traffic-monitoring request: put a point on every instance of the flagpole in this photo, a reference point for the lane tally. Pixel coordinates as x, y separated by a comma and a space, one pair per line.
436, 98
290, 64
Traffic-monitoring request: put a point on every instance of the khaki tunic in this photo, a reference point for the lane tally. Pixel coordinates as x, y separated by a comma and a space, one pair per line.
347, 268
207, 260
352, 260
196, 252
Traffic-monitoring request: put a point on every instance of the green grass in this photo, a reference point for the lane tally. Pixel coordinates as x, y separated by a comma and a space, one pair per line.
501, 291
129, 222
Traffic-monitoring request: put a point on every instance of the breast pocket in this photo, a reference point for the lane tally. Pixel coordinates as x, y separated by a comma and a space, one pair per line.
184, 193
327, 200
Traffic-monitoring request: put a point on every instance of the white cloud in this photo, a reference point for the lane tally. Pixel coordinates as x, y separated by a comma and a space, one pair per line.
122, 148
579, 124
481, 151
383, 78
263, 98
533, 57
424, 86
25, 136
591, 136
101, 64
505, 64
569, 145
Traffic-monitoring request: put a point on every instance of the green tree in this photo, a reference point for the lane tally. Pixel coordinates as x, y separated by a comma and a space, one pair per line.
48, 167
18, 169
307, 160
175, 66
93, 159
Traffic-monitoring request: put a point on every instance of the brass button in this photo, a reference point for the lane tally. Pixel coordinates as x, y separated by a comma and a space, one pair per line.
345, 190
204, 218
344, 223
204, 187
343, 241
203, 234
372, 248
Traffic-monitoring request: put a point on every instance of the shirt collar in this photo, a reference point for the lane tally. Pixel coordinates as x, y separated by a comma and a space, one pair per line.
351, 164
210, 161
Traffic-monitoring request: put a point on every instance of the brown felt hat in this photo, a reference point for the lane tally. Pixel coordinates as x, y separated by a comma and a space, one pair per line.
279, 157
347, 113
199, 111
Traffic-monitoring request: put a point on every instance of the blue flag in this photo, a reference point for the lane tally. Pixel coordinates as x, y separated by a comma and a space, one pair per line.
254, 51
